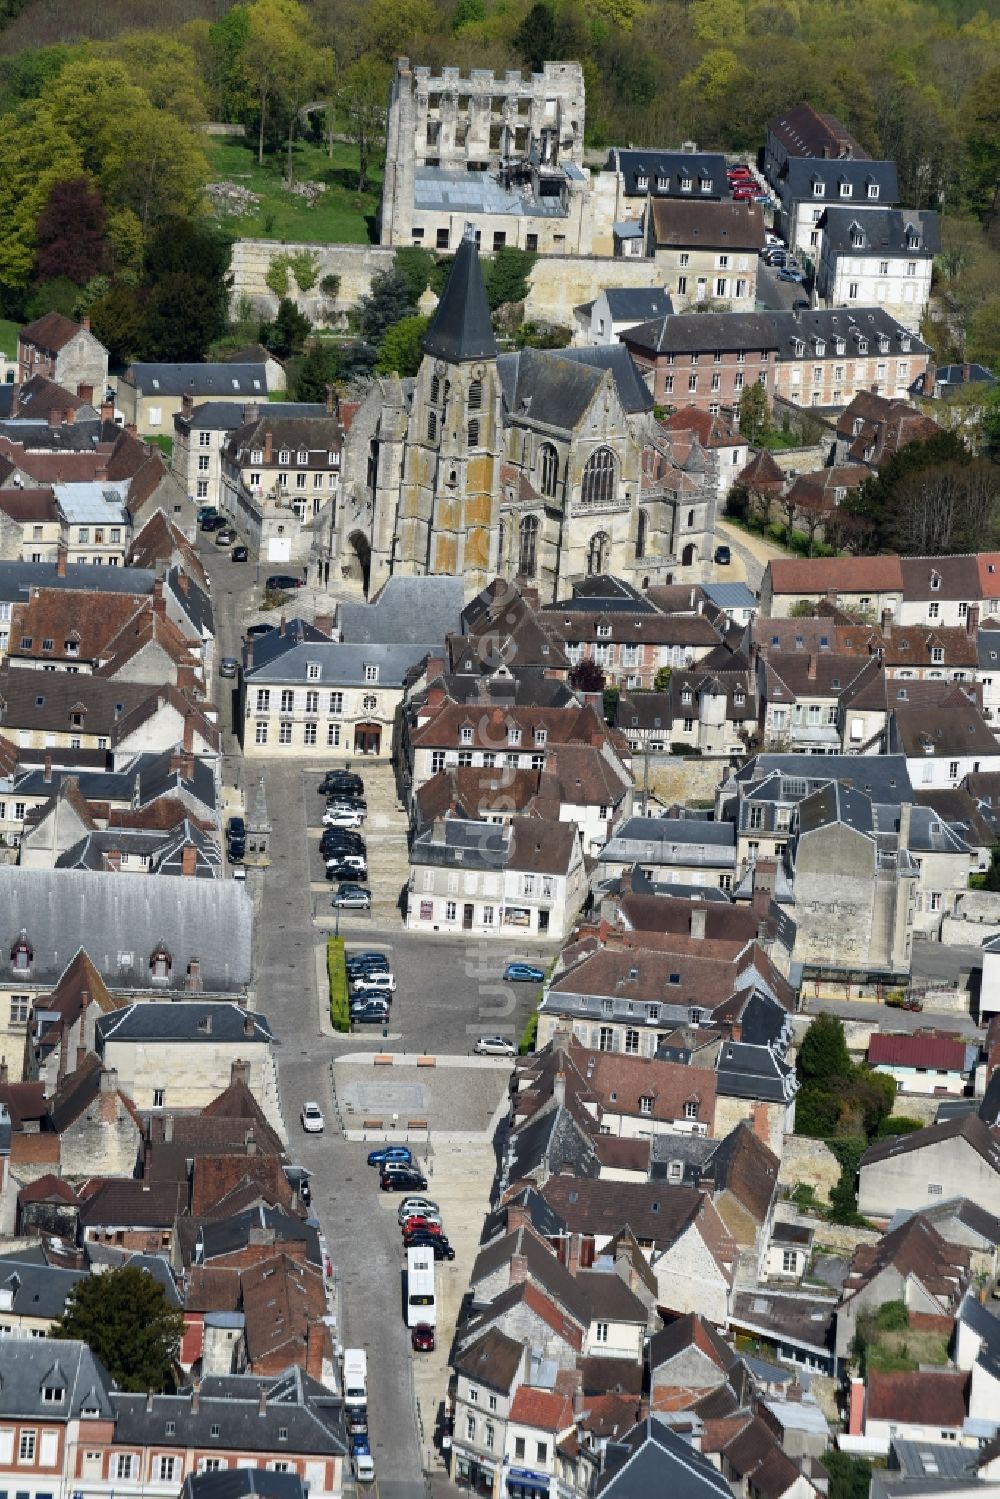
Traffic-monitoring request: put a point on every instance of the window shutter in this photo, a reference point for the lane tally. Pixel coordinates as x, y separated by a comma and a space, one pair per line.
50, 1449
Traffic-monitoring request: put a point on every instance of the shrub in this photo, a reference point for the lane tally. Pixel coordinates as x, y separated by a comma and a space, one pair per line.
304, 267
892, 1316
898, 1124
336, 968
330, 286
680, 747
528, 1036
276, 275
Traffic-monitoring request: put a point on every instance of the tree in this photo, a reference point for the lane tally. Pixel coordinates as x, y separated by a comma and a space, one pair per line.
662, 679
401, 349
466, 13
755, 414
850, 1477
275, 50
363, 96
389, 27
321, 365
126, 1320
36, 152
288, 332
416, 266
388, 301
587, 676
505, 277
182, 316
71, 233
116, 319
823, 1056
535, 38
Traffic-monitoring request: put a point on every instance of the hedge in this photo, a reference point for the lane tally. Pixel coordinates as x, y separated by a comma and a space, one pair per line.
336, 968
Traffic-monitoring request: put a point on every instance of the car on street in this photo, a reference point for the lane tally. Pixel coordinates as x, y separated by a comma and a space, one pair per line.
341, 817
418, 1223
773, 241
212, 523
283, 582
356, 1417
237, 850
236, 828
342, 838
801, 304
422, 1337
341, 780
723, 556
364, 1468
359, 1443
256, 631
352, 898
437, 1243
390, 1153
411, 1205
397, 1168
347, 803
239, 873
229, 667
240, 553
523, 973
225, 537
367, 958
494, 1046
402, 1181
204, 511
311, 1118
791, 273
346, 873
340, 847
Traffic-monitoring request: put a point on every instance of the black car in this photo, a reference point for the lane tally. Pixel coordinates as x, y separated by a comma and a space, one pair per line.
282, 582
236, 830
214, 523
342, 780
240, 553
337, 849
403, 1181
442, 1249
377, 963
237, 850
345, 872
256, 631
344, 839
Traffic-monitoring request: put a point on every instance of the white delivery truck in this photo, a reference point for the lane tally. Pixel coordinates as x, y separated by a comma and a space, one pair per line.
421, 1302
355, 1376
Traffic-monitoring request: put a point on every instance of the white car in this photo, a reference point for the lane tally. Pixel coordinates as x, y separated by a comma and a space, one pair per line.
494, 1046
340, 817
311, 1117
410, 1206
364, 1467
378, 980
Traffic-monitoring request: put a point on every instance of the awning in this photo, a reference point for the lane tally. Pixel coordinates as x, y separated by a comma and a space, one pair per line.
524, 1478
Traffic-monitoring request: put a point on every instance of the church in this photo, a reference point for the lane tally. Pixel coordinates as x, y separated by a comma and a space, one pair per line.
542, 465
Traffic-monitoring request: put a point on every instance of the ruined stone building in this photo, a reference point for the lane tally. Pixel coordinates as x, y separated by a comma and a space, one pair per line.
544, 465
505, 154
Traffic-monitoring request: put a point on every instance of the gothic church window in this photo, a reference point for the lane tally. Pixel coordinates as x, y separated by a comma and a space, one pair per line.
474, 433
528, 541
599, 478
432, 426
641, 534
598, 553
549, 465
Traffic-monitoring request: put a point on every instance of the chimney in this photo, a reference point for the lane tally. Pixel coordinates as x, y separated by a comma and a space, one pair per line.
109, 1080
247, 653
194, 984
62, 556
56, 416
249, 1025
85, 324
101, 469
64, 1051
268, 447
239, 1072
904, 825
188, 741
81, 1056
3, 1071
972, 619
107, 411
811, 669
113, 858
195, 1400
517, 1217
86, 394
262, 1403
559, 1088
131, 429
47, 771
149, 1401
187, 404
886, 623
331, 402
759, 1120
282, 625
189, 861
168, 1129
698, 918
251, 413
323, 623
518, 1269
856, 1408
182, 580
159, 603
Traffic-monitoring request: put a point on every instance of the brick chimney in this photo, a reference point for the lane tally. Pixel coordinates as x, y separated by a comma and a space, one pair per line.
182, 580
47, 771
972, 620
323, 623
517, 1217
113, 859
56, 416
159, 602
85, 324
268, 447
251, 413
518, 1269
188, 740
239, 1072
249, 1025
282, 625
811, 669
62, 556
262, 1402
107, 411
248, 653
698, 918
81, 1056
168, 1129
193, 984
559, 1088
856, 1408
107, 1101
86, 394
187, 404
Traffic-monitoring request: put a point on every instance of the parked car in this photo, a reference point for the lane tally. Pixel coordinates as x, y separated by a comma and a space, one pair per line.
213, 522
237, 850
225, 537
723, 556
421, 1224
494, 1046
229, 667
311, 1118
359, 1443
739, 173
236, 828
345, 873
283, 582
256, 631
239, 873
372, 1000
390, 1153
356, 1417
204, 511
240, 553
791, 273
411, 1205
403, 1181
372, 1012
339, 848
392, 1168
341, 817
442, 1250
342, 838
422, 1337
352, 860
347, 803
523, 973
376, 978
366, 959
342, 780
353, 898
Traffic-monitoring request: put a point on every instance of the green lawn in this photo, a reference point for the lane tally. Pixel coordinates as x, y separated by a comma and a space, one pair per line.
342, 215
163, 442
8, 336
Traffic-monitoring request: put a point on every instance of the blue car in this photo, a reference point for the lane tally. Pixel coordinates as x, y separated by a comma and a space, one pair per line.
359, 1444
390, 1153
523, 973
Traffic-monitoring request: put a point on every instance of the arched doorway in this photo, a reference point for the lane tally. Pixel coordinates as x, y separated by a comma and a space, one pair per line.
359, 566
687, 556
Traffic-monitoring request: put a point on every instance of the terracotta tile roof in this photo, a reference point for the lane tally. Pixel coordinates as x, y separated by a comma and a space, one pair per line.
210, 1289
614, 1376
619, 1082
159, 542
48, 1188
127, 1203
746, 1168
811, 575
493, 1360
490, 729
34, 505
609, 1416
24, 1102
544, 1409
80, 618
50, 332
953, 727
907, 645
762, 472
717, 226
915, 1249
220, 1183
918, 1049
652, 1211
473, 792
711, 431
282, 1297
920, 1398
690, 1331
702, 979
755, 1456
989, 574
622, 1154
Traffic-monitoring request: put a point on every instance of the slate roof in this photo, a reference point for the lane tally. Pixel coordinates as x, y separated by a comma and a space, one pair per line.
556, 387
972, 1130
654, 1459
885, 230
287, 658
665, 170
493, 1360
799, 175
650, 1210
188, 1020
64, 910
804, 130
153, 379
309, 1416
635, 303
689, 332
18, 580
690, 1331
37, 1290
212, 1240
31, 1363
727, 225
461, 329
243, 1483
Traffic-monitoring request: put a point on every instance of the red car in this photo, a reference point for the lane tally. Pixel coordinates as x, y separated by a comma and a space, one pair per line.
422, 1337
743, 195
420, 1226
735, 173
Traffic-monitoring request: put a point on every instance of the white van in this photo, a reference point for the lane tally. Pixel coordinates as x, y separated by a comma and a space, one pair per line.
421, 1300
355, 1376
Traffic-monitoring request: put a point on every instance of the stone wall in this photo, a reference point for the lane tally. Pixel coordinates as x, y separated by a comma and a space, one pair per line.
354, 264
683, 778
558, 283
811, 1163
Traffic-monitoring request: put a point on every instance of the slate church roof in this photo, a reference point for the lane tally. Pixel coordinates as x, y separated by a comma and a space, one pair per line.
461, 328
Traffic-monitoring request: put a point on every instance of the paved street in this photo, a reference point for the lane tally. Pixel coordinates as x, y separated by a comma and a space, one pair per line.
778, 295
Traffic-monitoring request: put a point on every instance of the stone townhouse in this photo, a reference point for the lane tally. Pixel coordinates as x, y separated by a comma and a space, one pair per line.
279, 473
59, 349
201, 433
616, 309
871, 586
708, 712
882, 257
727, 444
149, 395
672, 850
949, 591
960, 1158
97, 522
813, 357
629, 645
630, 179
707, 252
302, 693
31, 525
944, 742
800, 696
52, 1398
807, 186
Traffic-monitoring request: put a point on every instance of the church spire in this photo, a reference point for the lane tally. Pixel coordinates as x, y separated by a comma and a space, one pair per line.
461, 328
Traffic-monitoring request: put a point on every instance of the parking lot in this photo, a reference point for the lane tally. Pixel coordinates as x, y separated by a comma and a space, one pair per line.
384, 833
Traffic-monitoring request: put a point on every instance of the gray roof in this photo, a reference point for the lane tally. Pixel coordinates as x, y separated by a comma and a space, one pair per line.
653, 1459
226, 1235
884, 778
556, 387
665, 170
672, 840
405, 609
241, 1483
747, 1071
17, 579
931, 1459
462, 843
29, 1364
436, 189
36, 1290
194, 602
799, 174
461, 329
885, 230
729, 595
203, 379
151, 1264
684, 332
286, 658
114, 920
226, 416
636, 302
205, 1020
632, 389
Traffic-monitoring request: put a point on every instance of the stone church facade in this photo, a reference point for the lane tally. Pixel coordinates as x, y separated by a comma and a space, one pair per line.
543, 465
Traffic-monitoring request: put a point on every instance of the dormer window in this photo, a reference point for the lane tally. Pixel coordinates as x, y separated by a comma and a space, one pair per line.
685, 184
857, 237
22, 954
883, 344
798, 345
160, 964
465, 734
256, 455
642, 182
76, 720
862, 346
904, 342
301, 457
872, 188
819, 189
686, 695
71, 647
371, 672
912, 239
603, 631
513, 734
705, 183
845, 189
820, 347
840, 346
52, 1394
935, 581
312, 671
540, 736
661, 183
